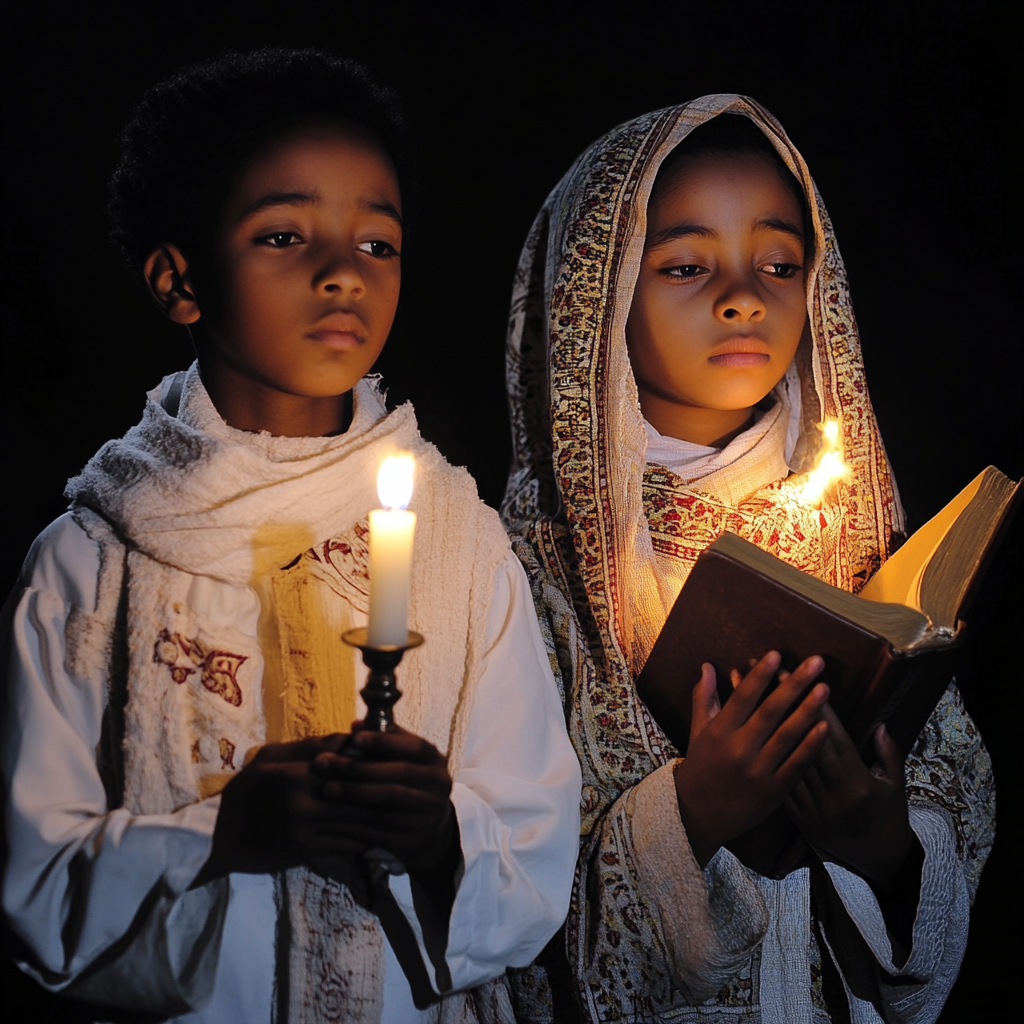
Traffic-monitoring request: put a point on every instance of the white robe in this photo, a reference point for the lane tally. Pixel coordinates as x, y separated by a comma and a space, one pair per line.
80, 875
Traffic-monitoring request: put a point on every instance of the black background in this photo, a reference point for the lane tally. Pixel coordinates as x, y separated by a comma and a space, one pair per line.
907, 114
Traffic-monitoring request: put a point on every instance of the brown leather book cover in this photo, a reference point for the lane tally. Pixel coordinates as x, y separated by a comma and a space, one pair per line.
731, 615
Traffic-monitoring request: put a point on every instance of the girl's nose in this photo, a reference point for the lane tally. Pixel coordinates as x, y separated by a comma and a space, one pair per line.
739, 305
340, 276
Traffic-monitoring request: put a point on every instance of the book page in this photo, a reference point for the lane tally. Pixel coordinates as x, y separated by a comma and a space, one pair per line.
952, 568
899, 580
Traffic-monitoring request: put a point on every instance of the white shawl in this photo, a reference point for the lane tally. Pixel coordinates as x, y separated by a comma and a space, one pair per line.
188, 498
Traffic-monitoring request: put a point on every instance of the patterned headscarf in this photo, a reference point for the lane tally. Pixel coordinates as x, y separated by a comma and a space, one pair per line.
606, 539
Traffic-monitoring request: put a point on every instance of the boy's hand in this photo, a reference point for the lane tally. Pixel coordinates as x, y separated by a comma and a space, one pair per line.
395, 794
743, 759
856, 814
272, 815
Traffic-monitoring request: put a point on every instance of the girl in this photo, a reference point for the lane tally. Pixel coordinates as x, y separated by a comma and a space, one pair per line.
680, 330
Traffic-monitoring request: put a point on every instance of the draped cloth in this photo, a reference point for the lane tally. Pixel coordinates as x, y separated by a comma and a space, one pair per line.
608, 540
183, 499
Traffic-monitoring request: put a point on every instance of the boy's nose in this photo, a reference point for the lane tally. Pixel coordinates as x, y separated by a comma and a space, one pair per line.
739, 306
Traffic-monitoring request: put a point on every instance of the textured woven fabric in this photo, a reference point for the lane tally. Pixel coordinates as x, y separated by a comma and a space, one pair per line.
189, 498
608, 540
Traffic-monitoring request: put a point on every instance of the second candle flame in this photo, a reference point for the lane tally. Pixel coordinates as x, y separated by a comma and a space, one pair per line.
394, 480
830, 466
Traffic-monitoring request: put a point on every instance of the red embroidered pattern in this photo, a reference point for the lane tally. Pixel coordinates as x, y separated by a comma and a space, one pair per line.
218, 668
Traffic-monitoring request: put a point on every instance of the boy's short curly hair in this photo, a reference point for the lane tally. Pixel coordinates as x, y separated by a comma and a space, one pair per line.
190, 134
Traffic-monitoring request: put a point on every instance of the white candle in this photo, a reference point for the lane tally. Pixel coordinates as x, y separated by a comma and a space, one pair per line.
391, 536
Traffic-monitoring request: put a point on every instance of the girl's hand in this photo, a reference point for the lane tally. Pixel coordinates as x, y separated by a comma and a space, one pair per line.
857, 815
394, 794
744, 759
273, 816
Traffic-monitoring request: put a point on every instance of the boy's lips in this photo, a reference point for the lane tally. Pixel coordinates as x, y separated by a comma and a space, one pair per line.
339, 330
741, 351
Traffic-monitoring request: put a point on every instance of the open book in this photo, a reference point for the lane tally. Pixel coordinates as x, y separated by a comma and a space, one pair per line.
888, 651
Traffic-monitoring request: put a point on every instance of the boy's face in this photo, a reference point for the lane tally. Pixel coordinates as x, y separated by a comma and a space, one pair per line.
308, 267
719, 304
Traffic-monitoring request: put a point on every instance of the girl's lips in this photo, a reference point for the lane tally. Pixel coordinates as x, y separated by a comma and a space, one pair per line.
336, 339
740, 359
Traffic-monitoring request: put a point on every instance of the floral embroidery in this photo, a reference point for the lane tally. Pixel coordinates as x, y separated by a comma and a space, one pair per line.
218, 668
227, 753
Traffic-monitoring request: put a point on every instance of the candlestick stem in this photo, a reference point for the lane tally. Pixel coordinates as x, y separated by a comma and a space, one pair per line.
381, 692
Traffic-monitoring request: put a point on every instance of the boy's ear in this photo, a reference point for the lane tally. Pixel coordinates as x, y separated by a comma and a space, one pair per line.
167, 277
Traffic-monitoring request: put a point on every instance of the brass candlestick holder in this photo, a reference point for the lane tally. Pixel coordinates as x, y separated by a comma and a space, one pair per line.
381, 692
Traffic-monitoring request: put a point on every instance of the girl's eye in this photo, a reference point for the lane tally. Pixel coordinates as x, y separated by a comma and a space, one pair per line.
783, 270
279, 240
686, 272
378, 249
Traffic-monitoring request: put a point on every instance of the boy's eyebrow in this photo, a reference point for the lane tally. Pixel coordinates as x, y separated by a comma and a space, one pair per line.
310, 199
279, 199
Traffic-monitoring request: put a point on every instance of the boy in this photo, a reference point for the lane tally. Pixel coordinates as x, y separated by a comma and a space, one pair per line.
695, 330
189, 833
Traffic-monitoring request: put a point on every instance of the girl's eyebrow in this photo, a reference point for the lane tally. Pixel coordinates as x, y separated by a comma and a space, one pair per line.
777, 224
382, 206
683, 230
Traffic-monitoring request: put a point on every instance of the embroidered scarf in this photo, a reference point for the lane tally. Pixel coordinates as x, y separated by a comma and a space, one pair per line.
609, 540
181, 500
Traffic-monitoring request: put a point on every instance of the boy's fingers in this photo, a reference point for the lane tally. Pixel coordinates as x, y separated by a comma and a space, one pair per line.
385, 795
396, 746
297, 750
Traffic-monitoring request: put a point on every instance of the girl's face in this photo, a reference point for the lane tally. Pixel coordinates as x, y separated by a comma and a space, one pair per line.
719, 304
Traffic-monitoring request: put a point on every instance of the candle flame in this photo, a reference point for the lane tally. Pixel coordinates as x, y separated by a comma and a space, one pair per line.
830, 466
394, 480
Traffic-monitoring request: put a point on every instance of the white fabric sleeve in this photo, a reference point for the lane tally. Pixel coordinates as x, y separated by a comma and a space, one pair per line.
711, 920
99, 898
517, 798
939, 936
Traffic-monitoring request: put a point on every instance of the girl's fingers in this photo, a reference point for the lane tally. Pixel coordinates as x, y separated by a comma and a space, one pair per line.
778, 706
746, 696
814, 784
779, 744
889, 755
705, 702
796, 764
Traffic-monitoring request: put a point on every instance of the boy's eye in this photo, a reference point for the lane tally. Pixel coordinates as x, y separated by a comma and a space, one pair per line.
783, 270
279, 239
685, 272
378, 249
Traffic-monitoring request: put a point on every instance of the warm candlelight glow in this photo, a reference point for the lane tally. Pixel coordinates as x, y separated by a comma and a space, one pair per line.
830, 466
391, 539
394, 480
